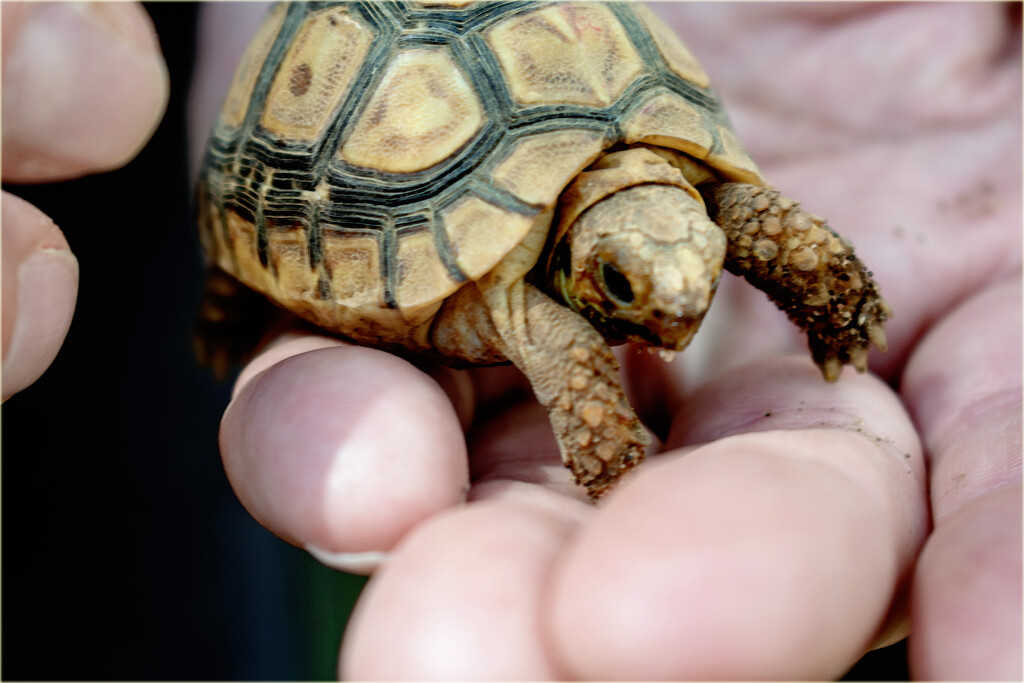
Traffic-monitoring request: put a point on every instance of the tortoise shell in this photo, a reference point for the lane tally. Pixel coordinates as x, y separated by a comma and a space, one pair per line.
373, 157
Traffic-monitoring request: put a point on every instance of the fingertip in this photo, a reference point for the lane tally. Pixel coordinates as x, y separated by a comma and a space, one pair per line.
40, 287
84, 87
786, 527
745, 559
284, 347
457, 384
343, 449
460, 599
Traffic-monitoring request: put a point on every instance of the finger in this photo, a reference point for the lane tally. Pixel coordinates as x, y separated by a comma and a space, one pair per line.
342, 450
40, 285
461, 600
966, 603
457, 384
84, 86
774, 554
963, 385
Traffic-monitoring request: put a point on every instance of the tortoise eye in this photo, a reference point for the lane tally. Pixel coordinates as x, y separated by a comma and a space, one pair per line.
616, 284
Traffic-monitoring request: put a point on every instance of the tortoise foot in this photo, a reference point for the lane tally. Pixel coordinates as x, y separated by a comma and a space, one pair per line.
807, 269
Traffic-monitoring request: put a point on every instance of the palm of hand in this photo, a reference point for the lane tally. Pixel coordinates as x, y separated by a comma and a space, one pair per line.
778, 545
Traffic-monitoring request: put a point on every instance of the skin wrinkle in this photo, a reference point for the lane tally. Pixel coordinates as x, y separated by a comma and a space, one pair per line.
1000, 402
790, 417
930, 397
959, 474
970, 422
824, 406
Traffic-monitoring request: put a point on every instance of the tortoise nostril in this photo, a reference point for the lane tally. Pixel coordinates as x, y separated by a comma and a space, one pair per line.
617, 284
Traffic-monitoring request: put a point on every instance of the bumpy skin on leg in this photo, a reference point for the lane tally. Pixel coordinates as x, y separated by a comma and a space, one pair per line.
573, 374
576, 377
807, 269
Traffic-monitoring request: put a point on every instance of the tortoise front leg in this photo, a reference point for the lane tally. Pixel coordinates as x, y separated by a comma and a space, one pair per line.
808, 270
570, 367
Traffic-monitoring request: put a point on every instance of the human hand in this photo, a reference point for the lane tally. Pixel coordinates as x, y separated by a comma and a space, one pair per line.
913, 119
782, 545
84, 86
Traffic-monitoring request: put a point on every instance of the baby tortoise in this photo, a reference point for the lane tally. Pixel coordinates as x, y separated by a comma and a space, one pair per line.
479, 183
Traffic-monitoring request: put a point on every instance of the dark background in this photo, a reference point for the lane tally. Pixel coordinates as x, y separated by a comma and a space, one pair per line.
125, 553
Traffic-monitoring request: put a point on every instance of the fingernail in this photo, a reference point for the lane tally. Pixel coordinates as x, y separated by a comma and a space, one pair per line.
83, 86
47, 283
353, 563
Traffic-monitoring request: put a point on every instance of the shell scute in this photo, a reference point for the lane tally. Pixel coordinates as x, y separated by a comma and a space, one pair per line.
288, 254
668, 120
732, 157
481, 233
673, 51
316, 74
244, 244
538, 165
567, 54
244, 82
353, 262
423, 278
423, 110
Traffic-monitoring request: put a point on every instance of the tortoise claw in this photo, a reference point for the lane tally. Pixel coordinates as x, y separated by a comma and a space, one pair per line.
859, 358
875, 330
831, 368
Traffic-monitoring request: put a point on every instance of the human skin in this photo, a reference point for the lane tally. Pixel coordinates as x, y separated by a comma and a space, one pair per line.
800, 529
84, 86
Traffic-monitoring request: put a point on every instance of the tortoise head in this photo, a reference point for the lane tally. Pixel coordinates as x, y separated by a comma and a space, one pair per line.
642, 264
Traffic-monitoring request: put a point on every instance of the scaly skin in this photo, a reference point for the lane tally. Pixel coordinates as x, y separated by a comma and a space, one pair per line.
576, 378
808, 270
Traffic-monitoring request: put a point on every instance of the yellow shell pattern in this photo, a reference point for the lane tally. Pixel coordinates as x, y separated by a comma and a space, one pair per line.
371, 158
